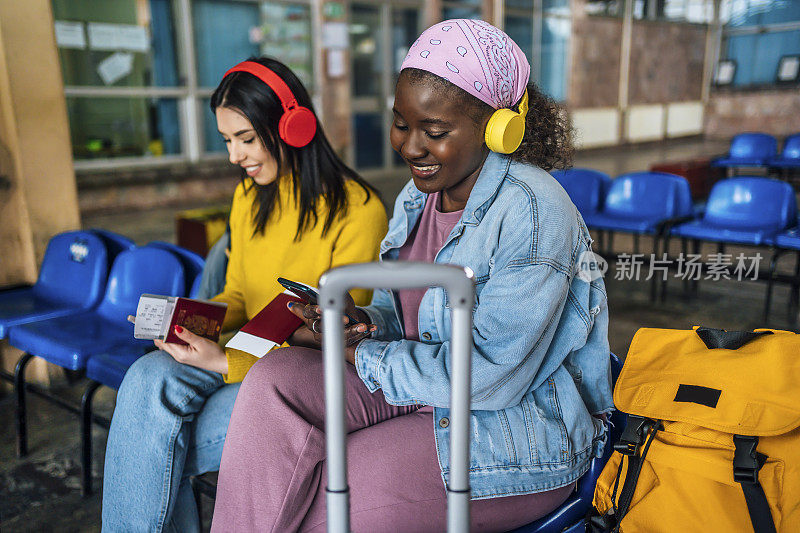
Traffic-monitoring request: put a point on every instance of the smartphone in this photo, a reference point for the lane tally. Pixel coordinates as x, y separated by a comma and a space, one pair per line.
309, 295
304, 292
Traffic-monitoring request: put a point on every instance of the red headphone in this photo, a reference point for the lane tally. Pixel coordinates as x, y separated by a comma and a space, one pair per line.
298, 124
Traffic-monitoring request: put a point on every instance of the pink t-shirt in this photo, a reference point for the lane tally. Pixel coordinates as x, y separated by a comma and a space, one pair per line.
423, 244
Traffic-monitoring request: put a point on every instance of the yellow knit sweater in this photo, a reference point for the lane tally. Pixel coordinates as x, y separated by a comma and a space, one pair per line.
257, 261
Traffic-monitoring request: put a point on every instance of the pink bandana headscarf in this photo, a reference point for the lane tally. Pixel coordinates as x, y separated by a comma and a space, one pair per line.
475, 56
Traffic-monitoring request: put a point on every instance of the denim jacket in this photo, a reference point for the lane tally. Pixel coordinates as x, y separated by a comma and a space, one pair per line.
540, 358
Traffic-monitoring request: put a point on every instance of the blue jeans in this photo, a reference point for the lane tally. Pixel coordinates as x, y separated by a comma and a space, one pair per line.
169, 424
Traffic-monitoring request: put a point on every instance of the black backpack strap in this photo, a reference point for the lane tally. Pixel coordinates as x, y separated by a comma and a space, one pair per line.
638, 430
729, 340
746, 464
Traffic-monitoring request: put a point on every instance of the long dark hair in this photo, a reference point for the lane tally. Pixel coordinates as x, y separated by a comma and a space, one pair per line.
548, 130
316, 169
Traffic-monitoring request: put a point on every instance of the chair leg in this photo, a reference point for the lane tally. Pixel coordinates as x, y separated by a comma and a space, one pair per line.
654, 283
794, 297
198, 498
770, 282
86, 436
19, 389
696, 250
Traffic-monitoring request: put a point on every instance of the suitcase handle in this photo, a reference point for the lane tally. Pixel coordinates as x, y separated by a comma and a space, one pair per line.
460, 287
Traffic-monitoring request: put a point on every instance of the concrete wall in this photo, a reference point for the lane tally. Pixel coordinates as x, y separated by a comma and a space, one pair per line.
770, 111
658, 96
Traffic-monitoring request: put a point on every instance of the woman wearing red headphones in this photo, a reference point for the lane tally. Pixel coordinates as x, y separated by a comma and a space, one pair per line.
298, 211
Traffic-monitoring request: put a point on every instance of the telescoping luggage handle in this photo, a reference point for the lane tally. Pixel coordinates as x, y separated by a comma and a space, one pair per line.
459, 284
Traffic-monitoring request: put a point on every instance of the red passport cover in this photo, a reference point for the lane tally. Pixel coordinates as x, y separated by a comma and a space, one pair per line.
275, 322
200, 318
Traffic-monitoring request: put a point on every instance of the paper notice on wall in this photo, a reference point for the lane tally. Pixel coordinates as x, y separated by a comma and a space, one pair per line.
70, 34
104, 36
336, 63
334, 35
115, 67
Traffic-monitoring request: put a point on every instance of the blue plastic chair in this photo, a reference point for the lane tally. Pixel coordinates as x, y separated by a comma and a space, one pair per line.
192, 263
71, 279
586, 188
570, 515
790, 156
749, 150
115, 243
743, 210
70, 341
786, 241
643, 203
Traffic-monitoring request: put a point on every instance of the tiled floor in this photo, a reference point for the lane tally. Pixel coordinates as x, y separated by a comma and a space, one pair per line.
42, 493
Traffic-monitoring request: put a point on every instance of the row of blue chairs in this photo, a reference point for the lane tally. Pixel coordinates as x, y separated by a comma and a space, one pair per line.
752, 211
761, 150
75, 315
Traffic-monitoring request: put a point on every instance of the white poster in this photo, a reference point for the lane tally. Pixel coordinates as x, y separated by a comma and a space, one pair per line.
70, 34
334, 35
130, 37
336, 63
115, 67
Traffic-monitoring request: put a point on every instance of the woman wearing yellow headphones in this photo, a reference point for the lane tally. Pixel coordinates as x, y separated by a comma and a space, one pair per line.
479, 197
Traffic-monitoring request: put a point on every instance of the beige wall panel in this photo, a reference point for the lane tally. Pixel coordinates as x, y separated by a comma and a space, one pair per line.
644, 123
684, 118
596, 127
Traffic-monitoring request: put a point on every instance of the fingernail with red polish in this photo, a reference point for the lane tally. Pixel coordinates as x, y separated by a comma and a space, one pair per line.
178, 329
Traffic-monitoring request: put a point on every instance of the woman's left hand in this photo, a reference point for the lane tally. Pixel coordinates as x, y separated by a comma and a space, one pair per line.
200, 352
311, 334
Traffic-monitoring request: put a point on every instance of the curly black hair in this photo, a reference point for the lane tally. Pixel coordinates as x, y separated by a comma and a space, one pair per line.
548, 129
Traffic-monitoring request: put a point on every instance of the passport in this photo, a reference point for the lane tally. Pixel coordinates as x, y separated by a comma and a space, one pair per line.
271, 327
157, 316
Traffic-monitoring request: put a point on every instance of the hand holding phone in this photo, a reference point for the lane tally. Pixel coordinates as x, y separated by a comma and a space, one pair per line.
310, 296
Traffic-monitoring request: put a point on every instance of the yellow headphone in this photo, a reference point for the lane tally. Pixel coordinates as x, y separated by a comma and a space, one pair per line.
506, 128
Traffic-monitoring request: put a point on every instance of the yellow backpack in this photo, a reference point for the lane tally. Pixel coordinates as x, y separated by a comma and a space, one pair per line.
712, 441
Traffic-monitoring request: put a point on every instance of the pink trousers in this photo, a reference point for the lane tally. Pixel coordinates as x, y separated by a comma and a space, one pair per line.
272, 476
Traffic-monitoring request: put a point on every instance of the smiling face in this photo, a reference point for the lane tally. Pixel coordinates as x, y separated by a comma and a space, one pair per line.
442, 145
245, 147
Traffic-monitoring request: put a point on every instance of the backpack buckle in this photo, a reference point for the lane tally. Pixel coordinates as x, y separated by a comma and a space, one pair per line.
746, 460
633, 435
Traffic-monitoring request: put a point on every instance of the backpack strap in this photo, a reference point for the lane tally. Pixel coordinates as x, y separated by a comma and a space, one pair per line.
746, 464
729, 340
638, 431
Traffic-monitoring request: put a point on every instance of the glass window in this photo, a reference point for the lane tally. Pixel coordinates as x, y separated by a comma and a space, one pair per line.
519, 4
405, 29
222, 36
555, 43
369, 139
213, 142
461, 12
520, 29
123, 127
742, 13
556, 6
285, 34
365, 47
122, 43
757, 55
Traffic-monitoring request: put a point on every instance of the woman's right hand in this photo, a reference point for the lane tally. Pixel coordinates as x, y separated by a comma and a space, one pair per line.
311, 333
